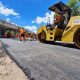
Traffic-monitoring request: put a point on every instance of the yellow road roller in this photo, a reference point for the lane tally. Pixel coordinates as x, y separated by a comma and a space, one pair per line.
65, 27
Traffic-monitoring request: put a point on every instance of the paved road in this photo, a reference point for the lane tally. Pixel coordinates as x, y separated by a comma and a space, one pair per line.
44, 61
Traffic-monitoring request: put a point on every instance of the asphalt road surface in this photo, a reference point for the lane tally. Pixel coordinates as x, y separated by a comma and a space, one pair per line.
44, 61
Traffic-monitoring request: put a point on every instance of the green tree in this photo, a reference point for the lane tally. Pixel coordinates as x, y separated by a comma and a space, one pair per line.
75, 6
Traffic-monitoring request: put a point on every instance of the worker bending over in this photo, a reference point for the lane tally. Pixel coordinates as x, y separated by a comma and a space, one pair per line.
22, 34
32, 36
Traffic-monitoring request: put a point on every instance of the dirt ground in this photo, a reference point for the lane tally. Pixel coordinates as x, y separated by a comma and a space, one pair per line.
8, 69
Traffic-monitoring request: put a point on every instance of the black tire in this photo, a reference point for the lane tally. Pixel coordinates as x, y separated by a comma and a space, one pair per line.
42, 37
77, 38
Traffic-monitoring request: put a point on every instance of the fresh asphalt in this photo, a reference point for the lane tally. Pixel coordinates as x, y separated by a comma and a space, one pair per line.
45, 61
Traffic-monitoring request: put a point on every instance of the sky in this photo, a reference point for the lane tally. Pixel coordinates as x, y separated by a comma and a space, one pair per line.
30, 14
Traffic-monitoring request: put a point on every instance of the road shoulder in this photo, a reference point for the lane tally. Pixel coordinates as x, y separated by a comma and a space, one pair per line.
8, 69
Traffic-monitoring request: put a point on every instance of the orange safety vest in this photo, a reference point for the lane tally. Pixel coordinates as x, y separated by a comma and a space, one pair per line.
58, 19
21, 31
16, 35
26, 34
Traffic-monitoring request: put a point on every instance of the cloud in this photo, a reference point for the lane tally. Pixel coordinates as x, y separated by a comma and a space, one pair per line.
18, 17
31, 28
6, 11
14, 23
8, 19
40, 20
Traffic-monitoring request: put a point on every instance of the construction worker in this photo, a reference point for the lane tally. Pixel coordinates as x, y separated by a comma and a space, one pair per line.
59, 20
17, 35
31, 36
26, 36
59, 23
22, 34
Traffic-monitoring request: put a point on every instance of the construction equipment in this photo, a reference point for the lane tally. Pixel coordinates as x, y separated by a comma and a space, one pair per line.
66, 32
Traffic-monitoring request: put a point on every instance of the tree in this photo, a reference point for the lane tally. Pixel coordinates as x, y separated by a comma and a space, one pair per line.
75, 6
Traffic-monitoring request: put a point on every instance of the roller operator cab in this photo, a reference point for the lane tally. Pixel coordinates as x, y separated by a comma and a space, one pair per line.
65, 28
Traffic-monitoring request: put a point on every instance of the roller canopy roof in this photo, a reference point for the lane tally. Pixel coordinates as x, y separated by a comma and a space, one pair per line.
59, 8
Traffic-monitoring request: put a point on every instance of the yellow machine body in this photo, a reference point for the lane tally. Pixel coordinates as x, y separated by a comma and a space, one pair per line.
71, 29
66, 35
67, 31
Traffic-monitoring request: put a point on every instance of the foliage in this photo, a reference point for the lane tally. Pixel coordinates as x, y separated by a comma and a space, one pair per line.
75, 6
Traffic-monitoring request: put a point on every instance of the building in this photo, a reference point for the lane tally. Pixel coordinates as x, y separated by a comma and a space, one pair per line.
6, 26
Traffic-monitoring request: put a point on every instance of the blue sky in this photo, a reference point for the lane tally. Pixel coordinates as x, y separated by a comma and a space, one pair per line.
29, 14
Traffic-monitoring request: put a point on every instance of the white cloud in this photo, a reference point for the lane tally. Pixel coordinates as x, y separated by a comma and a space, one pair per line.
8, 19
40, 20
18, 17
6, 11
14, 23
31, 28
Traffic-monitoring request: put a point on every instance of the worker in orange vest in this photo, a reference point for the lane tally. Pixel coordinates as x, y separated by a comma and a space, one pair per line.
26, 36
57, 18
22, 34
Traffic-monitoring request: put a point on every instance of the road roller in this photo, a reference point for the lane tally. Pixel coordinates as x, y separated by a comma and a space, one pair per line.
65, 27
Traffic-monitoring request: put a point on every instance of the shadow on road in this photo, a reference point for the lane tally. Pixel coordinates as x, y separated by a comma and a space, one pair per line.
63, 44
5, 45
